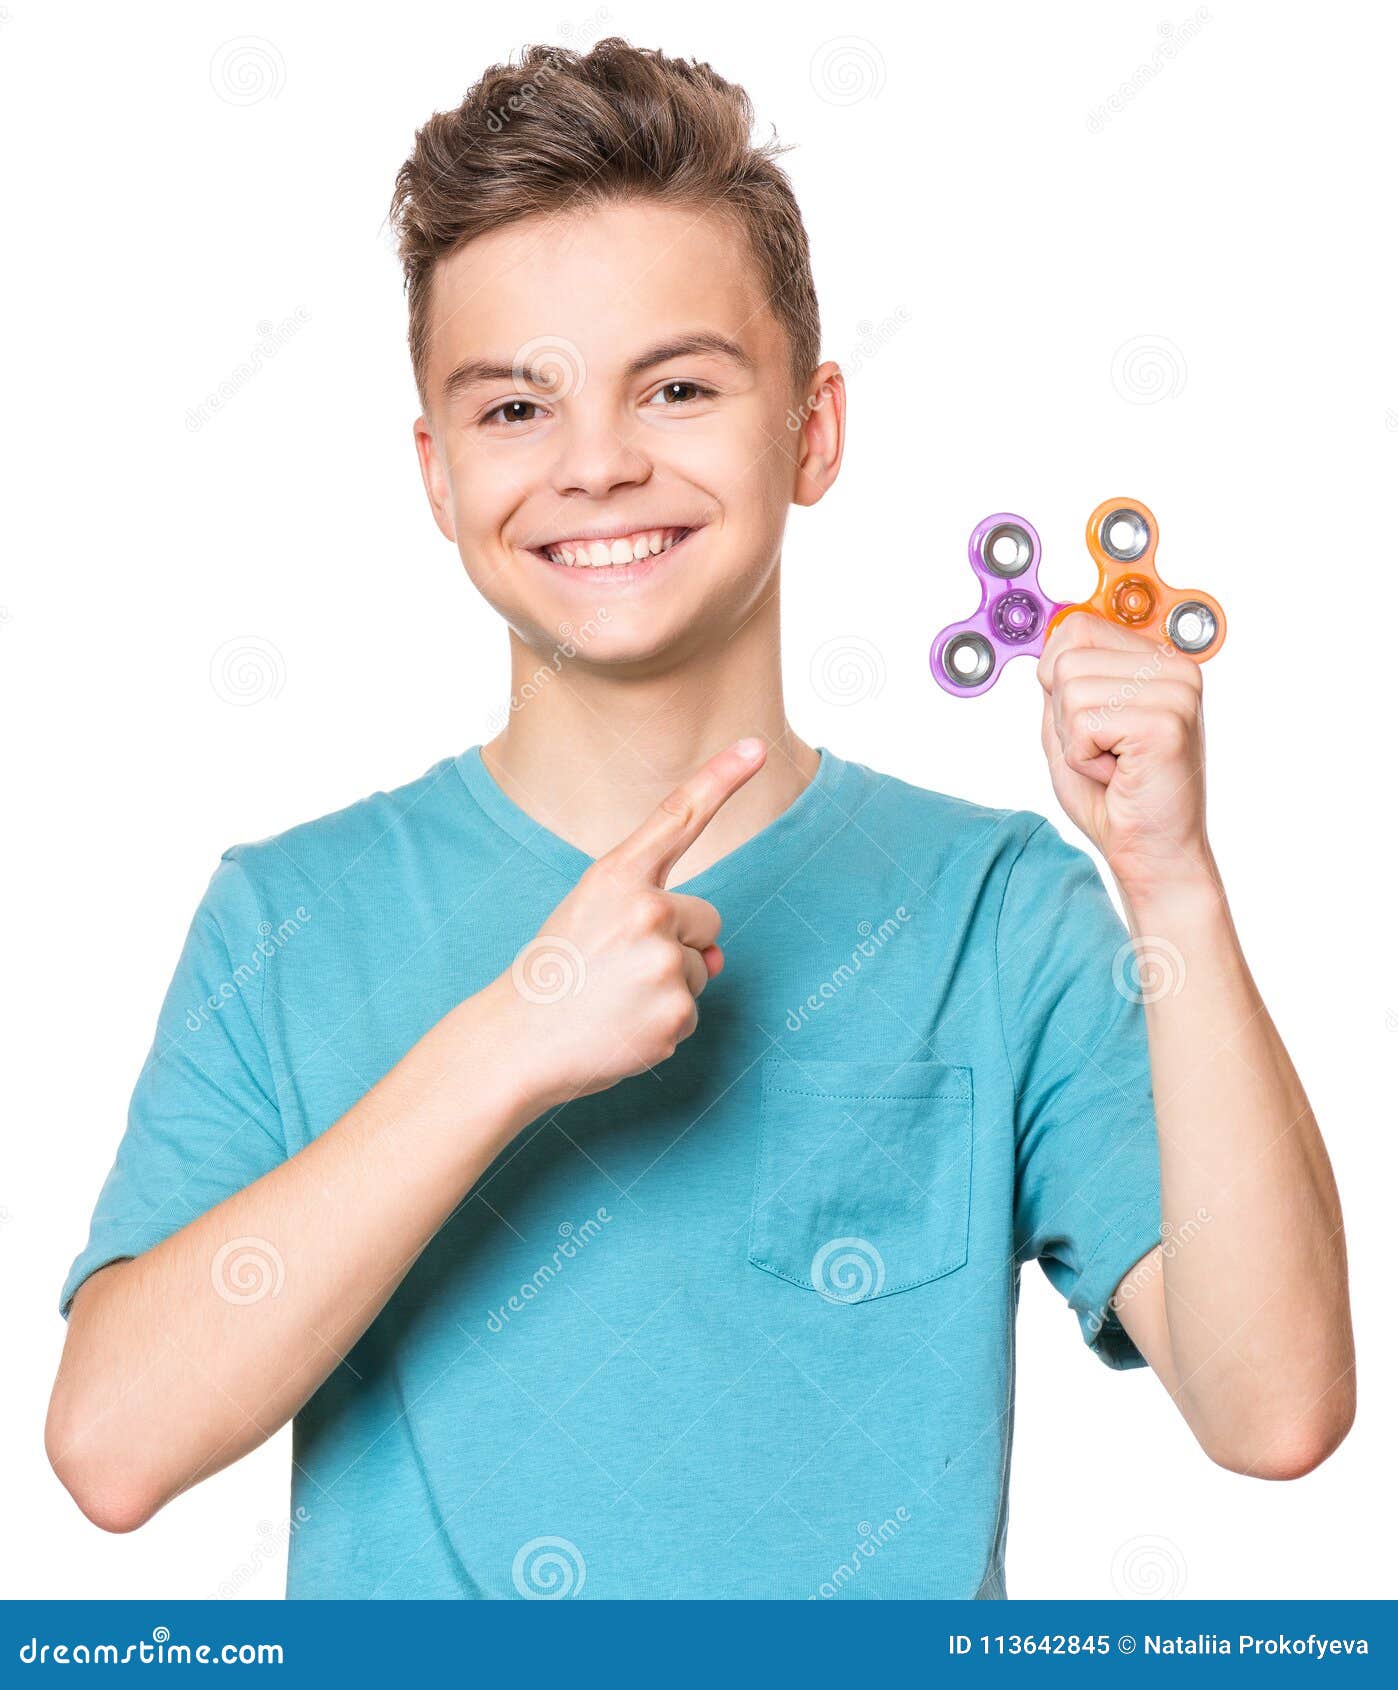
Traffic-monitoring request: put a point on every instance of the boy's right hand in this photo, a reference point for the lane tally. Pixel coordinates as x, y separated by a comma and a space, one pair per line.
607, 987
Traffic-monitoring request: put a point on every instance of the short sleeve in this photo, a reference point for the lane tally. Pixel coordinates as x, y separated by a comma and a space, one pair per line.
1087, 1161
203, 1121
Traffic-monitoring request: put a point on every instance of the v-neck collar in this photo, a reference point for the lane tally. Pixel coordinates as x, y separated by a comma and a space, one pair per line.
798, 818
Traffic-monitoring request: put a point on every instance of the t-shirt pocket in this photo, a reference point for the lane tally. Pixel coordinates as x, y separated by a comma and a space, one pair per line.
863, 1175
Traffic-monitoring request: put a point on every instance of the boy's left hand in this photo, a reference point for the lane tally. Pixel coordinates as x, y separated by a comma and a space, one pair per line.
1123, 731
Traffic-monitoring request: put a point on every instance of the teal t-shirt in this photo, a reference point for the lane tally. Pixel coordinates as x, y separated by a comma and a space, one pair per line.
740, 1327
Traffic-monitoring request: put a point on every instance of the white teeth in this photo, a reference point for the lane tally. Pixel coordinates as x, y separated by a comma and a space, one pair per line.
605, 554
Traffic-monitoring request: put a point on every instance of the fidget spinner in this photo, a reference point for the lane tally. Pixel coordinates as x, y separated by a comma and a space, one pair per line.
1015, 618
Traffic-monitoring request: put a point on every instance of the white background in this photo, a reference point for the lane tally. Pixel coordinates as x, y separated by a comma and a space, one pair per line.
1041, 302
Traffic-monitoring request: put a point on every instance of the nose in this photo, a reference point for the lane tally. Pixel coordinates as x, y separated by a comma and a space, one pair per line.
595, 457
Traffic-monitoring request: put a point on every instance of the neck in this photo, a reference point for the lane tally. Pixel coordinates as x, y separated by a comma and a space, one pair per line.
590, 754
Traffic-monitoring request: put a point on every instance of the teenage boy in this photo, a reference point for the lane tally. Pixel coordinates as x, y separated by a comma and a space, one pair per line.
571, 1287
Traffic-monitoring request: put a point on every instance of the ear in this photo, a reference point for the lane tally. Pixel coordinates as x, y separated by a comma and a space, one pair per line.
821, 424
434, 477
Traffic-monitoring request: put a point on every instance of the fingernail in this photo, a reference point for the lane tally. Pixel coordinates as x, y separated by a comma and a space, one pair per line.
749, 749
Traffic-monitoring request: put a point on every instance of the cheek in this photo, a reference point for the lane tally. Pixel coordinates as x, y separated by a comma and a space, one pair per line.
488, 484
747, 469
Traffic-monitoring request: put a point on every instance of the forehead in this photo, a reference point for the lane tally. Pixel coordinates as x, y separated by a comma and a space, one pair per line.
606, 279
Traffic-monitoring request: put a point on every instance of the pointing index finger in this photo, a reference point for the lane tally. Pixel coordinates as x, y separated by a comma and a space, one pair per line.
682, 815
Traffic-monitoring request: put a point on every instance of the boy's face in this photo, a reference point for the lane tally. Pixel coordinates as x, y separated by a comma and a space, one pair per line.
611, 384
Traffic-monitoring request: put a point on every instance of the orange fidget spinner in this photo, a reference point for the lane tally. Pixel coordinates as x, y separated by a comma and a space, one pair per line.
1121, 539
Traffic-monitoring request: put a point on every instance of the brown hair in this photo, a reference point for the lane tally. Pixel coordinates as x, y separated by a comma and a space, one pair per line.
572, 130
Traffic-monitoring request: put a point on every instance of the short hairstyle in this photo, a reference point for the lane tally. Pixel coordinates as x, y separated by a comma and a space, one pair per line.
563, 130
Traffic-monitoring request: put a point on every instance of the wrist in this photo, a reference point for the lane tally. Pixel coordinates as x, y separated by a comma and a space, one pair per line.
1184, 900
515, 1081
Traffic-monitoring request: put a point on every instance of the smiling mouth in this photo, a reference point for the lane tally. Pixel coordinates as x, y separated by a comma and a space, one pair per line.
612, 551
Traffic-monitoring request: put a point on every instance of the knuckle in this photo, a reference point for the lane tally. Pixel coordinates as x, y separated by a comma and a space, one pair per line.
606, 872
679, 805
652, 911
660, 965
1070, 696
1174, 731
644, 916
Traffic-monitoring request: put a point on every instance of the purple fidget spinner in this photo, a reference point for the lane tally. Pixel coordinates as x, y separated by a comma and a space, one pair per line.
1014, 615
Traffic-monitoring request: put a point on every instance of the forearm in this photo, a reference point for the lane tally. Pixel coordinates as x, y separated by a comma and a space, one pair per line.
1252, 1266
171, 1372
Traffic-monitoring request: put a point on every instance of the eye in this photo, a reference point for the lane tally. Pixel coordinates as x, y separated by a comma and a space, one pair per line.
513, 411
680, 393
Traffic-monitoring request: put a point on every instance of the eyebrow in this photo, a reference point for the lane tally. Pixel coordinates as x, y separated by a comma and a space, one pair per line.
475, 370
